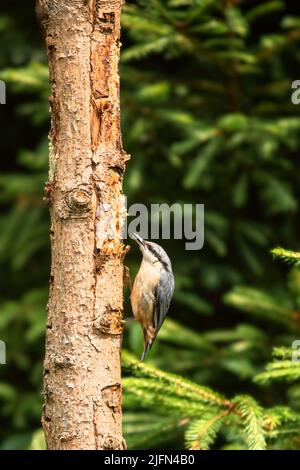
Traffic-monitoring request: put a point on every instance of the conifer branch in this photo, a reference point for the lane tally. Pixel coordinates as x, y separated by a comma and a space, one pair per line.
288, 256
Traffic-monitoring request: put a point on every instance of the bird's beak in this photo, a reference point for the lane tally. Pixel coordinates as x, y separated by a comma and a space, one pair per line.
138, 239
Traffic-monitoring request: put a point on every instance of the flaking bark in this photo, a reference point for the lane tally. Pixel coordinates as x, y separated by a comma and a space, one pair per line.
82, 379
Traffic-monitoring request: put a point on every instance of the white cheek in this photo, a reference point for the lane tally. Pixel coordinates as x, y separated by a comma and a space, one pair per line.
149, 257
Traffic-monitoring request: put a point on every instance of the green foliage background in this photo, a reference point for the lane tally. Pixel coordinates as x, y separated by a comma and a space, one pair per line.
208, 118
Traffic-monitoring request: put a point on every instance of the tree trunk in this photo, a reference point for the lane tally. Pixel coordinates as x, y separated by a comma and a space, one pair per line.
82, 379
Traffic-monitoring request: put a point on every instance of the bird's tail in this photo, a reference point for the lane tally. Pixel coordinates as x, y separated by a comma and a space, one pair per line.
146, 350
149, 337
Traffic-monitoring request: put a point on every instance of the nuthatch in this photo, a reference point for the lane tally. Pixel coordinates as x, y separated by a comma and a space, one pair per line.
152, 290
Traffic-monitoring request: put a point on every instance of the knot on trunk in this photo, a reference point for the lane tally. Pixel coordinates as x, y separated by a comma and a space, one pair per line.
79, 201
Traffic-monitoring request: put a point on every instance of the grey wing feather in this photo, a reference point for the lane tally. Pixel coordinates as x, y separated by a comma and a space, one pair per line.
164, 293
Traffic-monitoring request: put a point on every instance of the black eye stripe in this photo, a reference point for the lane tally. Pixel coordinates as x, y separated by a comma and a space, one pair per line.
157, 254
153, 250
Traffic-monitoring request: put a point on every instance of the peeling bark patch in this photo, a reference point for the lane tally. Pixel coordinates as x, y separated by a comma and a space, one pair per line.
102, 57
111, 396
110, 323
110, 221
102, 107
107, 23
100, 260
53, 100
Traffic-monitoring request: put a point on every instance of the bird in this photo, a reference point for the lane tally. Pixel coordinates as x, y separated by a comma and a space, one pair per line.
152, 290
